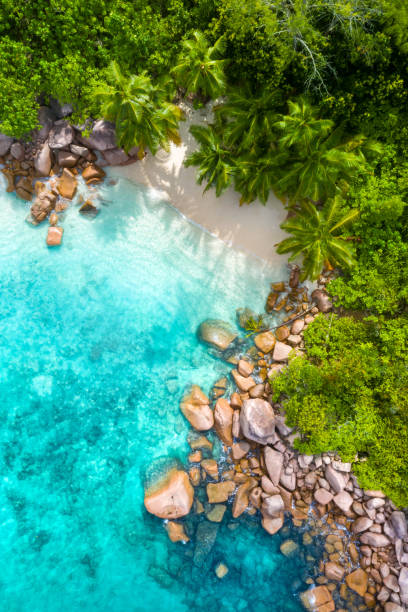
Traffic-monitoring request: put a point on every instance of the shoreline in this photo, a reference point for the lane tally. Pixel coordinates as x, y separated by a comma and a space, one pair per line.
253, 229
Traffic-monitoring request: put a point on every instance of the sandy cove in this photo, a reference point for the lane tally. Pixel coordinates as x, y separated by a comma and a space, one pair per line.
253, 229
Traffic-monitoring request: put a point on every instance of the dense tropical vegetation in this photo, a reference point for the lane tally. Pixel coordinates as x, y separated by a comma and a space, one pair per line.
313, 108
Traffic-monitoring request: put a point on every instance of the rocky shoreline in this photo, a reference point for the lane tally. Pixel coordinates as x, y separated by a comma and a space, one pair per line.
365, 559
46, 167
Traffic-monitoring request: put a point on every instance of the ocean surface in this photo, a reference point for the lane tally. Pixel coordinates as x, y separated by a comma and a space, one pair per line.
97, 344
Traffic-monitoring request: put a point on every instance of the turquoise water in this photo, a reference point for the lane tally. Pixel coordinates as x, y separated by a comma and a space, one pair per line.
97, 344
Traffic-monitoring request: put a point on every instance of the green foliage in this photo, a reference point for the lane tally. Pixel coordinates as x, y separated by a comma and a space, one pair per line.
378, 283
199, 68
315, 235
215, 161
142, 114
348, 395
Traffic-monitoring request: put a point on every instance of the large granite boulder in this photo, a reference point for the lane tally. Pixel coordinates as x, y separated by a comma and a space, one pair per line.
115, 157
217, 333
257, 420
61, 110
5, 144
318, 598
43, 160
102, 136
61, 135
399, 524
171, 497
273, 506
196, 409
17, 151
403, 585
322, 300
223, 414
376, 540
272, 525
273, 463
336, 479
67, 184
358, 581
46, 118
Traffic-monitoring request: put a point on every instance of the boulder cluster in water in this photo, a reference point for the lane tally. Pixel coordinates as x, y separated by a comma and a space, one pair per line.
60, 152
365, 558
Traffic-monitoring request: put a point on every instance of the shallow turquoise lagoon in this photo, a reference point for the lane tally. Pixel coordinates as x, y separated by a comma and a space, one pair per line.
97, 344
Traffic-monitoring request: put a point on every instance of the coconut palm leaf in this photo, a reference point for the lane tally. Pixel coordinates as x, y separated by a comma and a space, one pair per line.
313, 235
142, 115
200, 68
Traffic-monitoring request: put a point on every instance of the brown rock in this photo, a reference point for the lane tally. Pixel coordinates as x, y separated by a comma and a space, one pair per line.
272, 525
195, 476
334, 571
24, 188
176, 532
53, 220
171, 497
244, 383
245, 368
235, 400
274, 464
67, 184
257, 390
273, 506
67, 159
216, 514
281, 351
361, 524
200, 442
265, 341
93, 171
54, 236
217, 333
375, 540
239, 450
223, 415
322, 496
297, 327
358, 581
195, 457
281, 333
335, 479
257, 420
219, 492
196, 409
210, 466
343, 500
89, 208
314, 599
322, 300
241, 499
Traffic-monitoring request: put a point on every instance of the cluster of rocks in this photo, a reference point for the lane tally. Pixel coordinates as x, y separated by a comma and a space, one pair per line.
365, 559
61, 152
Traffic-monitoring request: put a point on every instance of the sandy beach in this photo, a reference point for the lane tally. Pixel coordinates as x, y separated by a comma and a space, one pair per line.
254, 229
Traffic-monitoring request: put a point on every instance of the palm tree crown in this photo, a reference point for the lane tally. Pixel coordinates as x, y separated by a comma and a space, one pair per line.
249, 119
215, 160
315, 234
199, 68
142, 114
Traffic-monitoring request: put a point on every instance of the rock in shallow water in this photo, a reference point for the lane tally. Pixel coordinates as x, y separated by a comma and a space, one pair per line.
216, 333
196, 409
171, 497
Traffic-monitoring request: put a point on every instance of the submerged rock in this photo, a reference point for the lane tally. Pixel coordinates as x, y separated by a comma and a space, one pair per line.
171, 497
221, 570
318, 598
358, 581
217, 333
206, 535
176, 532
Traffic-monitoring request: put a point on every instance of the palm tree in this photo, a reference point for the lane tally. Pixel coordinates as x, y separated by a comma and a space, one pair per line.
302, 125
256, 175
200, 69
250, 119
215, 161
315, 234
321, 161
142, 115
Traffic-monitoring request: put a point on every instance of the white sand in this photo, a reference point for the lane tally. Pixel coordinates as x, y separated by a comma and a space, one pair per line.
254, 228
